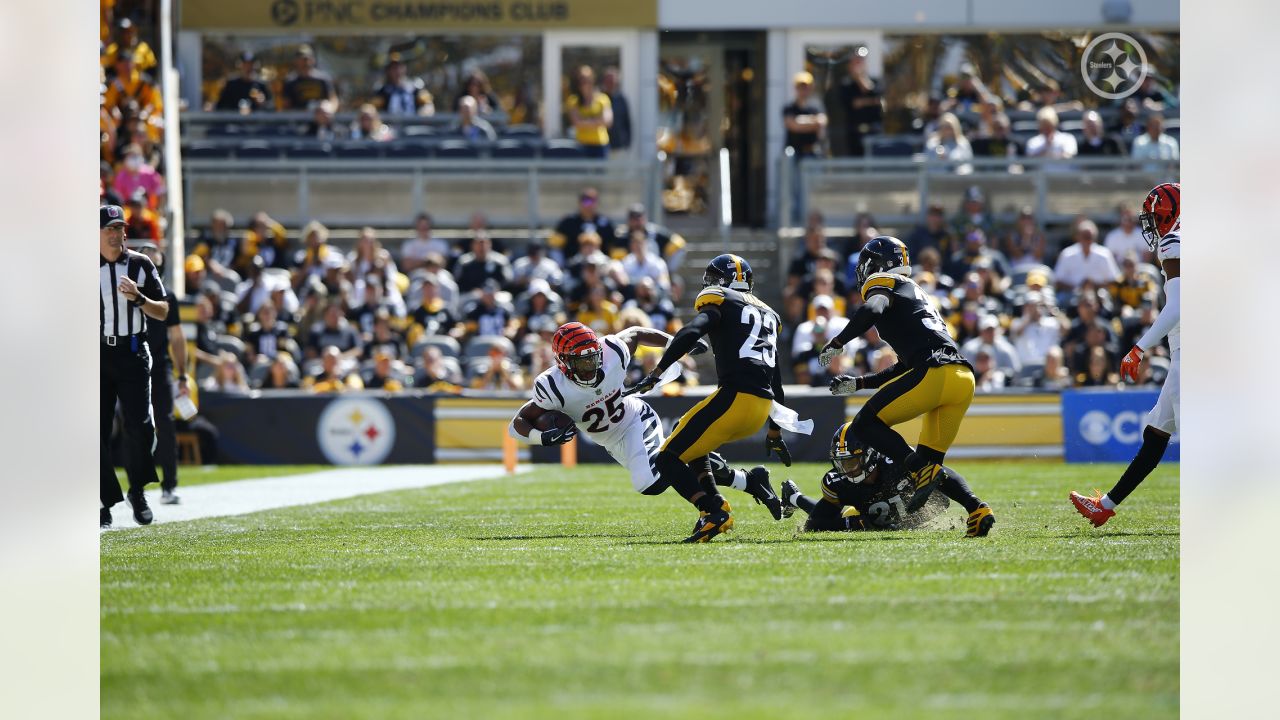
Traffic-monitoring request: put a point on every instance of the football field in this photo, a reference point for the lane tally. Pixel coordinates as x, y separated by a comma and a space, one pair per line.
564, 594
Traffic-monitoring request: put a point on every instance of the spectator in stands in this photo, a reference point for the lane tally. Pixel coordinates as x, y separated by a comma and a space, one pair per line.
967, 94
1048, 94
332, 378
598, 313
803, 265
385, 377
826, 283
477, 86
282, 374
481, 265
491, 315
620, 130
1084, 260
372, 301
539, 303
927, 122
1097, 370
470, 125
1088, 312
369, 258
437, 371
1126, 125
385, 339
588, 219
814, 375
1093, 141
126, 39
135, 173
398, 95
933, 233
1098, 335
316, 252
246, 92
322, 126
991, 338
196, 276
445, 281
535, 265
229, 376
1050, 143
804, 119
499, 372
864, 231
267, 337
1055, 375
1153, 143
975, 250
1025, 246
590, 113
973, 214
987, 377
334, 332
369, 126
414, 251
525, 109
141, 222
267, 238
1127, 237
1038, 329
863, 103
107, 195
1133, 290
1134, 324
307, 86
1000, 143
948, 143
988, 110
433, 316
131, 84
666, 244
639, 263
661, 311
812, 335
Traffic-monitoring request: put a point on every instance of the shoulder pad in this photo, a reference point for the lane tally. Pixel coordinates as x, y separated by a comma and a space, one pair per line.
711, 295
888, 281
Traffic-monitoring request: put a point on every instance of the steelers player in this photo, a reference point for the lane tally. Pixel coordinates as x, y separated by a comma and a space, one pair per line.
931, 377
744, 335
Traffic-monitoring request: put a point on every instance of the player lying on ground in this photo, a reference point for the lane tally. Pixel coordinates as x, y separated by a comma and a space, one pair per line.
1161, 221
860, 492
743, 331
931, 377
586, 386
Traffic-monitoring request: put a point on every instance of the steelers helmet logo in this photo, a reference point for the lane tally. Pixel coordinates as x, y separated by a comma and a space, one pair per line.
356, 431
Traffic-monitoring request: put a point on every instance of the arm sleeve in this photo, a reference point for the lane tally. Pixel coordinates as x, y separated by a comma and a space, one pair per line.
688, 336
172, 318
863, 318
1168, 317
152, 287
778, 395
875, 380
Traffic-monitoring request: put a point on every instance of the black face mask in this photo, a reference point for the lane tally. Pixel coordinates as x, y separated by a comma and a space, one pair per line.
583, 368
852, 467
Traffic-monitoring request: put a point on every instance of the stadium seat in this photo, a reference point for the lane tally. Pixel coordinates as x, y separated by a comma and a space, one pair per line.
305, 150
410, 150
894, 148
257, 150
457, 149
520, 131
206, 150
1026, 126
417, 131
233, 345
478, 346
448, 346
513, 149
563, 150
358, 150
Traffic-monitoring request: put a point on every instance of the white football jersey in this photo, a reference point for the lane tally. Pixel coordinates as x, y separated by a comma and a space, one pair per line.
1169, 248
598, 410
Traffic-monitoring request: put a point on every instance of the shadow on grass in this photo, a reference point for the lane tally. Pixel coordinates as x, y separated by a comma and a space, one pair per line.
1113, 533
573, 536
806, 538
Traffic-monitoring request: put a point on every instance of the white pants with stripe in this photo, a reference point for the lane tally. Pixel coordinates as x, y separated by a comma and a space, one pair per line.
636, 447
1164, 416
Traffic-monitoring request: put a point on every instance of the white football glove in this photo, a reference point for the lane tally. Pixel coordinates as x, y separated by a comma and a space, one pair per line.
844, 385
828, 352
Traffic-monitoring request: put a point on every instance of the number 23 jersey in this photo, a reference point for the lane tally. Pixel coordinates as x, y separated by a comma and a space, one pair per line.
745, 340
599, 410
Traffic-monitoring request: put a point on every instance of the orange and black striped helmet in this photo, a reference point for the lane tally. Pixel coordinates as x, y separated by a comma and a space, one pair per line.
1160, 212
578, 352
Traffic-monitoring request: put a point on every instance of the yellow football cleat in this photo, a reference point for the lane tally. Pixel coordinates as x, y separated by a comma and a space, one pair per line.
980, 522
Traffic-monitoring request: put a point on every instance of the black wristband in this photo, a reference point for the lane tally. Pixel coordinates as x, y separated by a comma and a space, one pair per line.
142, 300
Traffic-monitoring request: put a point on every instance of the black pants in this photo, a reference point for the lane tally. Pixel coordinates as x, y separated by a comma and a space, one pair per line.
166, 437
125, 375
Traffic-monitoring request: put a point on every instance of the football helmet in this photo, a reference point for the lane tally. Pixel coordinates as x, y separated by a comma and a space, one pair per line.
731, 271
578, 351
849, 456
883, 254
1160, 212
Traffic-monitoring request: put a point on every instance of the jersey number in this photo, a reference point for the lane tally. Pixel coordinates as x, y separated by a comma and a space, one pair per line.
759, 343
881, 514
933, 321
596, 415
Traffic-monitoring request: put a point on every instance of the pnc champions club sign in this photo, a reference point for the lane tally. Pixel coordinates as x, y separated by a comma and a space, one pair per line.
377, 15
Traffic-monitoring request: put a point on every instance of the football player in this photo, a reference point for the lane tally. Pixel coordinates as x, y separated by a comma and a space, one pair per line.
1161, 223
931, 377
744, 333
859, 492
586, 384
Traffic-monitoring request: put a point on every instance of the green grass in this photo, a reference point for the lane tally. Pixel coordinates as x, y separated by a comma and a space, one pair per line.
203, 474
560, 595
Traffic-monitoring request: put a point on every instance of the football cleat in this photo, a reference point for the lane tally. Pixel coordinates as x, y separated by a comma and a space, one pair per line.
141, 511
926, 481
789, 490
168, 498
710, 526
980, 522
1091, 507
104, 518
759, 488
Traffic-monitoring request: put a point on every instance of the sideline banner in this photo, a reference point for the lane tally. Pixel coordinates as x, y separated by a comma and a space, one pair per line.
1106, 425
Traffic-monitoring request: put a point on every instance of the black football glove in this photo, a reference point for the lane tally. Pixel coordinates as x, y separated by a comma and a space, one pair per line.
649, 382
773, 442
559, 436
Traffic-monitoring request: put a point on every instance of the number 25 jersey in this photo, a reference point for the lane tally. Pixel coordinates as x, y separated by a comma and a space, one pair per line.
911, 325
745, 340
599, 409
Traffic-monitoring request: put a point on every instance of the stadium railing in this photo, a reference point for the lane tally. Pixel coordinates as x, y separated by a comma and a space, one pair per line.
896, 191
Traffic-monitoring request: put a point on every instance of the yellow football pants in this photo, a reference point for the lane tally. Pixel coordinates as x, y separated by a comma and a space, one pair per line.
723, 416
941, 394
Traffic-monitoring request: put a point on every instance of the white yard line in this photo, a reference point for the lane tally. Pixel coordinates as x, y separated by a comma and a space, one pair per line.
247, 496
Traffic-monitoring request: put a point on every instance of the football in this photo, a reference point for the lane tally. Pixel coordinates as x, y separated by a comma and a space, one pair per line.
552, 419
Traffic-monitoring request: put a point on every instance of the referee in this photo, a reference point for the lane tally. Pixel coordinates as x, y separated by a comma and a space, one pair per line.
126, 283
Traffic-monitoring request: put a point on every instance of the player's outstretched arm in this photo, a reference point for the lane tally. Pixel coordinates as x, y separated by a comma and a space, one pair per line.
863, 319
1165, 322
636, 336
684, 341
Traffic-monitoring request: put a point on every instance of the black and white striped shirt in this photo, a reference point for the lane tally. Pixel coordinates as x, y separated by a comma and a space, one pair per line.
116, 316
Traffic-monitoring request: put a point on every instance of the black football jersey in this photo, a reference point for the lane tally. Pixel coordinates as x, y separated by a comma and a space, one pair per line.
911, 325
745, 340
880, 500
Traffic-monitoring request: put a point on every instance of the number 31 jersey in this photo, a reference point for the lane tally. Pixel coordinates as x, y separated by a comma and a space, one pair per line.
599, 409
745, 340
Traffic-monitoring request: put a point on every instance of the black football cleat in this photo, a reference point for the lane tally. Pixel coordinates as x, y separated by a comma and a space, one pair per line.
141, 511
926, 481
789, 490
710, 526
104, 518
759, 488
